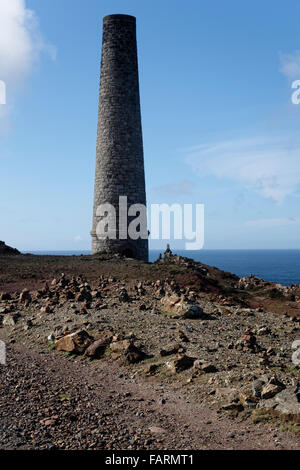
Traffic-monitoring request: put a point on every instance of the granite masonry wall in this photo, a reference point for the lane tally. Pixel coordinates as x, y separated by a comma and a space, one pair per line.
119, 154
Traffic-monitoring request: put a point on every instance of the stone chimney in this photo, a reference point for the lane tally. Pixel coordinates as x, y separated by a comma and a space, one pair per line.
119, 154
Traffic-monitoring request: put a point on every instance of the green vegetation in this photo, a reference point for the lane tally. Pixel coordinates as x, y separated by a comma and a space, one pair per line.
65, 396
291, 427
261, 416
275, 294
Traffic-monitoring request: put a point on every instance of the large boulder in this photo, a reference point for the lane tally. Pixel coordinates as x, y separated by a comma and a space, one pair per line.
266, 387
76, 342
287, 403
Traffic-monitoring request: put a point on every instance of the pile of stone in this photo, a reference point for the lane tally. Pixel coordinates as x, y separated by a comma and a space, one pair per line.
248, 342
180, 306
171, 258
251, 282
81, 342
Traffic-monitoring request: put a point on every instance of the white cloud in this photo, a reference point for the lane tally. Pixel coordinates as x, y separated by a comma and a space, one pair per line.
78, 238
272, 222
21, 44
270, 167
290, 64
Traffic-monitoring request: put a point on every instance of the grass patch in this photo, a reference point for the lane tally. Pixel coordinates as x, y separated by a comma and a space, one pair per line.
65, 396
150, 360
174, 272
261, 416
69, 354
107, 353
291, 427
293, 370
232, 413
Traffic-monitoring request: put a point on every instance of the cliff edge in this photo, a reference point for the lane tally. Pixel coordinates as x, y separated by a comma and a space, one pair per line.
8, 250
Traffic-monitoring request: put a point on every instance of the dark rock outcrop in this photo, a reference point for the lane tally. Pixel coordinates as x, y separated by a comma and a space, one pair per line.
8, 250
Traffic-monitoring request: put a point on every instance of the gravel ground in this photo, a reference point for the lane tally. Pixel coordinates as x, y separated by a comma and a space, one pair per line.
50, 402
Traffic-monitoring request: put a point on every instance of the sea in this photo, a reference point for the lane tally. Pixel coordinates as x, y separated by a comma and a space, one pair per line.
282, 266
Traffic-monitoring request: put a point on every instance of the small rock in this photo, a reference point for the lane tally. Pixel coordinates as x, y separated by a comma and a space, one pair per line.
130, 352
270, 390
170, 349
208, 367
51, 337
46, 309
151, 369
5, 296
10, 319
97, 348
257, 387
25, 296
124, 297
179, 364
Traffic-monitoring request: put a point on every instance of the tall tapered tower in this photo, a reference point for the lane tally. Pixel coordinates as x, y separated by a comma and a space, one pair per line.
119, 154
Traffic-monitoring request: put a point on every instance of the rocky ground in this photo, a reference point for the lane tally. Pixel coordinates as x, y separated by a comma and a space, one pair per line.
120, 354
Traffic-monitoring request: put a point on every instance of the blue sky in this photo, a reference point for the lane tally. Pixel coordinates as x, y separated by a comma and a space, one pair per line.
218, 122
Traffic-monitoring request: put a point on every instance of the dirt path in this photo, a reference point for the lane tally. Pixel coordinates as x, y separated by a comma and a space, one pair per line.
50, 402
